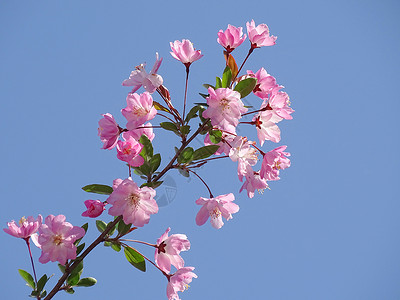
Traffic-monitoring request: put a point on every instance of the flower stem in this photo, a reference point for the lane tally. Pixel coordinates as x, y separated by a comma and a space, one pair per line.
141, 242
30, 254
208, 188
248, 54
186, 88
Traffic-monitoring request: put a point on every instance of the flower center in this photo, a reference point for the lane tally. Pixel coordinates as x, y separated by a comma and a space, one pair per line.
57, 239
21, 221
224, 103
134, 199
139, 111
215, 213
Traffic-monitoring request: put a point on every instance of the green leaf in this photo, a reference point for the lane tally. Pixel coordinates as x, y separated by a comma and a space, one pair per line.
185, 129
145, 169
116, 247
169, 126
28, 278
80, 248
101, 225
42, 282
135, 259
158, 106
85, 227
147, 151
112, 229
226, 77
186, 155
204, 95
153, 185
218, 83
155, 162
88, 281
78, 269
98, 189
73, 279
107, 244
123, 228
205, 152
246, 86
70, 291
42, 295
192, 113
34, 294
215, 136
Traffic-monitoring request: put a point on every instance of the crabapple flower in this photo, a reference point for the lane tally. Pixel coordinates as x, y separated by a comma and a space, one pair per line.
147, 130
116, 183
216, 208
244, 154
259, 36
168, 249
265, 83
231, 38
133, 203
279, 103
140, 77
274, 161
179, 282
139, 110
253, 182
108, 131
224, 144
94, 208
184, 52
266, 126
224, 108
25, 228
56, 239
129, 150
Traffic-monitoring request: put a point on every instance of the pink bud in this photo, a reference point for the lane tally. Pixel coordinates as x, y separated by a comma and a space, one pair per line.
259, 36
184, 52
231, 38
94, 208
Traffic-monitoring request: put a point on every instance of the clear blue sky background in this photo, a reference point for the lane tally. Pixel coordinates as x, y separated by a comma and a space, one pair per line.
327, 230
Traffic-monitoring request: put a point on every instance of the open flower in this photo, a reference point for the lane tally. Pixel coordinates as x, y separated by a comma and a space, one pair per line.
253, 182
56, 239
133, 203
129, 150
179, 282
108, 131
216, 208
265, 83
150, 81
274, 161
168, 249
139, 110
184, 52
94, 208
267, 129
243, 152
25, 227
231, 38
259, 36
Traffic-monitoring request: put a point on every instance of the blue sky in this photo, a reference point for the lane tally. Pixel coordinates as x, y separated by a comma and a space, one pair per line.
327, 230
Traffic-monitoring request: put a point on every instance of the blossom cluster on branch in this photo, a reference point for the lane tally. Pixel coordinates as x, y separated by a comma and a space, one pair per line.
132, 201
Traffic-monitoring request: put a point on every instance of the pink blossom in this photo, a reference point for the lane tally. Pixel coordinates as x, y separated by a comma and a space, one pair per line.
168, 249
56, 239
224, 108
216, 208
108, 131
94, 208
140, 77
280, 105
179, 282
116, 183
129, 150
25, 228
265, 83
244, 154
139, 110
274, 161
146, 129
224, 144
266, 126
184, 52
231, 38
253, 182
259, 36
133, 203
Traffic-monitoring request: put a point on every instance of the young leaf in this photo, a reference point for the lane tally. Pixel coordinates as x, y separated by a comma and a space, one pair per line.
246, 86
169, 126
231, 63
153, 185
184, 172
42, 282
218, 83
155, 162
70, 291
28, 278
85, 227
88, 281
192, 113
158, 106
206, 85
98, 189
204, 95
101, 225
205, 152
135, 259
80, 248
147, 151
185, 129
112, 230
116, 247
78, 269
123, 228
73, 279
226, 77
186, 155
215, 136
